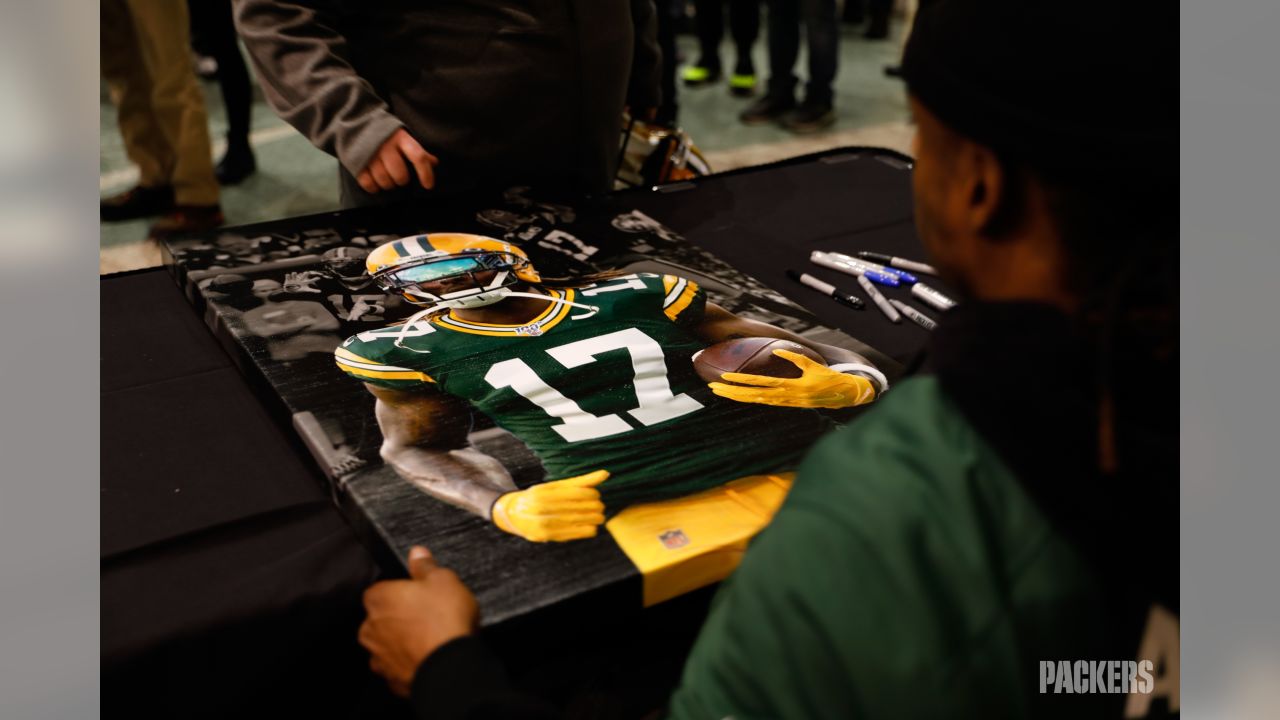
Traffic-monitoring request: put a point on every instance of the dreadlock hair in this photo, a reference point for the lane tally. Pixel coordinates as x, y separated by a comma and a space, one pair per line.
1120, 237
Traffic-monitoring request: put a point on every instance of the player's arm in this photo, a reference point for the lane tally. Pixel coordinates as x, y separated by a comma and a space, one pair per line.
425, 440
848, 379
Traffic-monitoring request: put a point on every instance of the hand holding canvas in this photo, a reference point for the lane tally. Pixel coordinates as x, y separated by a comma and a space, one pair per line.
407, 620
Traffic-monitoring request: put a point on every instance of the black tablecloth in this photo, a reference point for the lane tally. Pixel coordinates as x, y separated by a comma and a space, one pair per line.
765, 221
225, 584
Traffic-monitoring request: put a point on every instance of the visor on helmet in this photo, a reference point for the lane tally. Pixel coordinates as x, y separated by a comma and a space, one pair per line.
449, 267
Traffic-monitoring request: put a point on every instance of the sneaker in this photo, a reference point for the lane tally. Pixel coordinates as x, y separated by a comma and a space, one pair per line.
742, 84
187, 219
237, 164
138, 202
809, 117
699, 75
767, 109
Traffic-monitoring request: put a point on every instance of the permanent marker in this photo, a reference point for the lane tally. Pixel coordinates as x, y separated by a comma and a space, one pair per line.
933, 297
825, 260
898, 262
920, 318
828, 289
903, 274
880, 300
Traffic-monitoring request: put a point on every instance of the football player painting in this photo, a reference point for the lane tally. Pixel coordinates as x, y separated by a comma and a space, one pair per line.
595, 376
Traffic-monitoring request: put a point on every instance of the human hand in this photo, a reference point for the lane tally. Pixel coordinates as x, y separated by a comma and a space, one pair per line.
361, 307
387, 169
301, 282
407, 620
817, 387
556, 511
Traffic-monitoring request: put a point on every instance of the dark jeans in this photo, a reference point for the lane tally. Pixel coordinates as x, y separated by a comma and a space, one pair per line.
214, 34
823, 35
669, 13
744, 24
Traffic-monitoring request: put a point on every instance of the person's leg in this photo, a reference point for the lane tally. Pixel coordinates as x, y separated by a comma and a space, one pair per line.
744, 23
130, 85
667, 19
822, 32
213, 17
878, 28
177, 103
709, 19
784, 47
854, 12
816, 112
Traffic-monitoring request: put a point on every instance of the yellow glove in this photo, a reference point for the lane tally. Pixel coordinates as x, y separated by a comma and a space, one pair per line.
817, 387
556, 511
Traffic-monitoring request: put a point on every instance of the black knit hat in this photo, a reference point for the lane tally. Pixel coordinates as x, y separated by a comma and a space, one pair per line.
1062, 86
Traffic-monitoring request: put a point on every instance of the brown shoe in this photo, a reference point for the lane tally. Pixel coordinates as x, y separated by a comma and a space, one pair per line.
138, 202
187, 219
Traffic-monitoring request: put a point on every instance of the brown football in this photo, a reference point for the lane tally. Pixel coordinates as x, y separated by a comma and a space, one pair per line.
750, 355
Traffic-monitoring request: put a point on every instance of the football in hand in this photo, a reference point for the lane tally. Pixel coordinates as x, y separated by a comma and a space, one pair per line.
753, 356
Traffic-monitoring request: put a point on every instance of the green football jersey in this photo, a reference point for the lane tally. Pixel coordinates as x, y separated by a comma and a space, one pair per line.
613, 389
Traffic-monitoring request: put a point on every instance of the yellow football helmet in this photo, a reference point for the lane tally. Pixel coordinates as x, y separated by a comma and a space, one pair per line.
403, 266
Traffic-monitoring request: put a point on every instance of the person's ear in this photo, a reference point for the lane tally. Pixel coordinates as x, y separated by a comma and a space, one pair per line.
988, 192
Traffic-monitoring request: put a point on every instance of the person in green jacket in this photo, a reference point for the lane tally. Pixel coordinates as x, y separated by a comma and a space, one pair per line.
997, 538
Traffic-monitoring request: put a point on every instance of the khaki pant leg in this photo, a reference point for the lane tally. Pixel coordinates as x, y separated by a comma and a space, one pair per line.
177, 103
126, 74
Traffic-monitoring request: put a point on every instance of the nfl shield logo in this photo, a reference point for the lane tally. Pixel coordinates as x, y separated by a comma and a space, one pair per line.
674, 539
532, 330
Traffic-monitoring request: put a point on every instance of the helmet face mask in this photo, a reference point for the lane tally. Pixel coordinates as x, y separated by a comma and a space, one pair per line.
450, 270
346, 265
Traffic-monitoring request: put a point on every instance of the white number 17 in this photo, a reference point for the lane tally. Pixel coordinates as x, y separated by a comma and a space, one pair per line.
655, 402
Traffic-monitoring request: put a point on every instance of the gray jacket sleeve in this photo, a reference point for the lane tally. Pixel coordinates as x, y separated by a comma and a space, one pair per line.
644, 88
300, 56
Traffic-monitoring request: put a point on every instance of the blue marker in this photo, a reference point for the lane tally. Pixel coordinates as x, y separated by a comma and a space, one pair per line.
858, 269
906, 277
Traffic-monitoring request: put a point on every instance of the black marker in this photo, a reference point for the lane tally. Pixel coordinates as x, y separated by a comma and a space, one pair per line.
827, 289
897, 262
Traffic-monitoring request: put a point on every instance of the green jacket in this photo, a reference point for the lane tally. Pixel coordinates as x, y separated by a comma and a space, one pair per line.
907, 572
